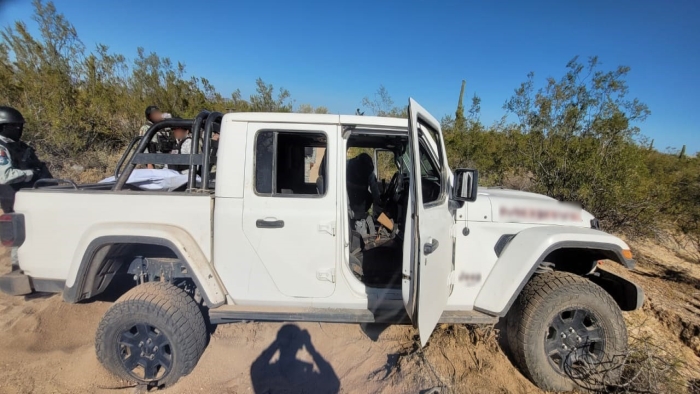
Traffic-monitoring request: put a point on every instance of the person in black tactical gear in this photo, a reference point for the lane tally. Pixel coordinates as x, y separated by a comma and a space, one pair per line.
19, 165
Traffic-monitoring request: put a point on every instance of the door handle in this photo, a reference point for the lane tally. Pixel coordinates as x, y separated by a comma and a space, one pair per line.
273, 223
430, 247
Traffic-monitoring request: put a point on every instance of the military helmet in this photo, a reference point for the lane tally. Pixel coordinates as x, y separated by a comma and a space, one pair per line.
11, 123
10, 115
151, 109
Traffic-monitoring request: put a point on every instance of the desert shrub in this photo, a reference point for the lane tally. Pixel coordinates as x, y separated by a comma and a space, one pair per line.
647, 367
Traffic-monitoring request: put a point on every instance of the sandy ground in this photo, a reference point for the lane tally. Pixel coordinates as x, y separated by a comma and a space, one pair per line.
46, 346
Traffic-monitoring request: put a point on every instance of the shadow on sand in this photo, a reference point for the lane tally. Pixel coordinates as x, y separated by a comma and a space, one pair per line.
278, 370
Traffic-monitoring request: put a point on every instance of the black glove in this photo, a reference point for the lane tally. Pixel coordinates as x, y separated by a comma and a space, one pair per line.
37, 174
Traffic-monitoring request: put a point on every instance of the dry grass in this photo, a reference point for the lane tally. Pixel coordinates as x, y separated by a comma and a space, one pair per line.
665, 334
91, 167
651, 365
458, 359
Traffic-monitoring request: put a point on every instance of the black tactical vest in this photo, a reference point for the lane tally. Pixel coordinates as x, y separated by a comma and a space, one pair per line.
22, 157
180, 167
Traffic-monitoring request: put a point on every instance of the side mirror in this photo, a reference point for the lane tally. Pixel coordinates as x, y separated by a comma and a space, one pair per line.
466, 185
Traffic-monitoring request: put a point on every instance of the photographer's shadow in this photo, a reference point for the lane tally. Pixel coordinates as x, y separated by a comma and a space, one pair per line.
288, 374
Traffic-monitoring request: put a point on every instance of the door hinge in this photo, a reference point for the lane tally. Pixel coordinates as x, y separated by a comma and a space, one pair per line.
327, 228
327, 275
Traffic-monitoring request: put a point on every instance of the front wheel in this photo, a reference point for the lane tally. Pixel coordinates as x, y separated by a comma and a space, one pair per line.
154, 334
564, 328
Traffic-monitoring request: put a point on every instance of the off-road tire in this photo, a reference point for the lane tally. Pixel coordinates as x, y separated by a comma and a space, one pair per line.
168, 309
542, 299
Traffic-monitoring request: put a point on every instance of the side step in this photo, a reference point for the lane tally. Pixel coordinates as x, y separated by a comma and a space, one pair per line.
467, 317
234, 313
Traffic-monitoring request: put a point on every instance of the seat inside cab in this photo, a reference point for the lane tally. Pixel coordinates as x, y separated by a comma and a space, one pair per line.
377, 217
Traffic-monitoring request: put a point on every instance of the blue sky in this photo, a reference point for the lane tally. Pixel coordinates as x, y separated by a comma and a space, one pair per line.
335, 53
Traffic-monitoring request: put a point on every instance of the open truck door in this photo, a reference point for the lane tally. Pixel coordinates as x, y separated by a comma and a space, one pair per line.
427, 259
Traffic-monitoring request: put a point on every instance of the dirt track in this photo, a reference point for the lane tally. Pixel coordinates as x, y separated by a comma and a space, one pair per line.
46, 346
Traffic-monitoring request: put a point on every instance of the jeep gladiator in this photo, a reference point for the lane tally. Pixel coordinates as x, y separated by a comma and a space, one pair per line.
262, 230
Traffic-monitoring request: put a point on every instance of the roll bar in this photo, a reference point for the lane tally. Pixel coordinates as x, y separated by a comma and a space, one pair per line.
214, 117
125, 155
195, 159
196, 130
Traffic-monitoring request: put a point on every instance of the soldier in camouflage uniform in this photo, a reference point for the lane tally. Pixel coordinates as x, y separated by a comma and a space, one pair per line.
19, 165
153, 115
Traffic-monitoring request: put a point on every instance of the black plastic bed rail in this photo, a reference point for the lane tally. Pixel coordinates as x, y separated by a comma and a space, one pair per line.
54, 181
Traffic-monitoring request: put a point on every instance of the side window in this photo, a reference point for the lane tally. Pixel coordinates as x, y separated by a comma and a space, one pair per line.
430, 155
427, 168
432, 139
431, 179
289, 163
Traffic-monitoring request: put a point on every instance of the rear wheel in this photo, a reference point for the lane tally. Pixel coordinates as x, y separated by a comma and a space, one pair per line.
565, 326
154, 334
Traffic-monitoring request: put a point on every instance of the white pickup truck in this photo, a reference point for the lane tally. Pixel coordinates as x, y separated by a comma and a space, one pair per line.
262, 230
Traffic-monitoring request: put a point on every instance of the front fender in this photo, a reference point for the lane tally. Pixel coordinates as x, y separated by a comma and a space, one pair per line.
628, 295
527, 250
175, 238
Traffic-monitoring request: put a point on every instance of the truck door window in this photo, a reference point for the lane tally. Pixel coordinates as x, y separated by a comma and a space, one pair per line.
431, 179
427, 168
290, 163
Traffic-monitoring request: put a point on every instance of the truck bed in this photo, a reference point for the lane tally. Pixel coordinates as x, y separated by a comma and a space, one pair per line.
60, 222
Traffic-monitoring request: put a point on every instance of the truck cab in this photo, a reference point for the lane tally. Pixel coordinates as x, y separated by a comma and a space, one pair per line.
296, 237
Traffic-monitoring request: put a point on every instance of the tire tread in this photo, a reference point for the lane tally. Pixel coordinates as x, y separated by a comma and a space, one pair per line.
167, 303
531, 306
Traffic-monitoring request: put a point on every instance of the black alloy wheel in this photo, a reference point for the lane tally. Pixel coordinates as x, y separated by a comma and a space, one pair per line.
574, 339
566, 332
145, 352
153, 335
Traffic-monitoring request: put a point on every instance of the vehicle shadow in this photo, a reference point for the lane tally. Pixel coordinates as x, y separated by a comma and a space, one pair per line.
278, 369
374, 330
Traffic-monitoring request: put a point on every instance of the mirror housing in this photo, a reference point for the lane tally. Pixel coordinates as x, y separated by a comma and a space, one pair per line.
465, 185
